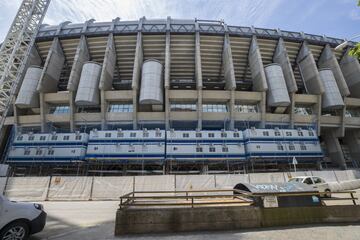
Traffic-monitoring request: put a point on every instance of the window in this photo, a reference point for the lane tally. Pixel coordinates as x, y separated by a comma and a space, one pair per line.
223, 135
118, 107
54, 138
38, 152
211, 135
50, 152
158, 134
57, 110
132, 134
108, 135
31, 138
27, 152
277, 133
215, 108
266, 133
78, 137
317, 180
291, 147
212, 149
178, 107
246, 108
120, 134
236, 135
67, 137
308, 181
280, 147
42, 138
199, 149
302, 147
198, 135
96, 148
73, 151
288, 134
19, 138
185, 135
175, 148
225, 149
300, 134
257, 146
145, 134
311, 133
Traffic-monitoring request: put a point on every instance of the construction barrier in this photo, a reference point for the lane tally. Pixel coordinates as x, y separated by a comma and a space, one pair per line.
27, 188
70, 188
230, 180
111, 188
2, 184
194, 182
155, 183
267, 177
328, 176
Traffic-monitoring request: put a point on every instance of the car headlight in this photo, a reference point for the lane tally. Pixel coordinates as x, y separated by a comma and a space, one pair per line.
38, 206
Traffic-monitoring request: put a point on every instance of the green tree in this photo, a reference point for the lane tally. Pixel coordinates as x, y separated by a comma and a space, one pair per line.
355, 51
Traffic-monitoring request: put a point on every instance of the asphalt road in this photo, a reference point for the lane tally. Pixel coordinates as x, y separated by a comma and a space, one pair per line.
95, 220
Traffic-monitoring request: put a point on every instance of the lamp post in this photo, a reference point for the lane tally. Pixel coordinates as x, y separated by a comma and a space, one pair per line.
345, 43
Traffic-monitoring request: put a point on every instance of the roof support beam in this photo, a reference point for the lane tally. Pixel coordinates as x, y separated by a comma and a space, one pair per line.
198, 75
257, 67
167, 73
350, 68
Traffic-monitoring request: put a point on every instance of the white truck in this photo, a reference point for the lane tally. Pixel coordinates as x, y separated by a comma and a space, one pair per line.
317, 183
19, 220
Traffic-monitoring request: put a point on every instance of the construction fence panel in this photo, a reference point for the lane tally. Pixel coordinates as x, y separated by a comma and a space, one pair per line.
111, 188
267, 177
2, 184
194, 182
328, 176
345, 175
155, 183
27, 188
70, 188
229, 181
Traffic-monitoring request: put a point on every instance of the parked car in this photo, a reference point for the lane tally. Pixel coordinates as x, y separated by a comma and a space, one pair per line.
19, 220
317, 183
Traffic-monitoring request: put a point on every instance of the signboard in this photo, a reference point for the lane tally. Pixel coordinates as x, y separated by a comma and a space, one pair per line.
270, 202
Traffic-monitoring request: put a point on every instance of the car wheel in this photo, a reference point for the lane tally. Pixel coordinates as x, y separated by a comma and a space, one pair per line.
18, 230
327, 193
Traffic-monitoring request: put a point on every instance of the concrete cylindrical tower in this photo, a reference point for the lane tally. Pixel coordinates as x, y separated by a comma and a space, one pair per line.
151, 91
28, 97
331, 98
88, 90
278, 95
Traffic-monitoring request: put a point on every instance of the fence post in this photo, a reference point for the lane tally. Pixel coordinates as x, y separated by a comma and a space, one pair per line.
48, 189
92, 188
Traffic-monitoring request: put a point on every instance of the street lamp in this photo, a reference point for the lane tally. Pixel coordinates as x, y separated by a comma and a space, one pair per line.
345, 43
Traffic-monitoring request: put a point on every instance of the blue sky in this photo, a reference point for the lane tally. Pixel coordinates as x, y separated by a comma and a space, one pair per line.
335, 18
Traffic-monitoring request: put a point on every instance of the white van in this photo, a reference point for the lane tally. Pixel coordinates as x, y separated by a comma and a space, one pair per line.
19, 220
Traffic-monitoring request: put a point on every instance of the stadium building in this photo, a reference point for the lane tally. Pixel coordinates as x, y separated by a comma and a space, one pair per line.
175, 95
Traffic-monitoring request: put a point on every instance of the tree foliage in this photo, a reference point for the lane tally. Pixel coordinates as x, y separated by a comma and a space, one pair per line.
355, 51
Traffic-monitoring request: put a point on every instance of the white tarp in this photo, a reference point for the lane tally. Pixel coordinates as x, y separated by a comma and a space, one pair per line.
70, 188
350, 185
344, 175
328, 176
229, 181
194, 182
267, 177
4, 168
111, 188
155, 183
27, 188
2, 184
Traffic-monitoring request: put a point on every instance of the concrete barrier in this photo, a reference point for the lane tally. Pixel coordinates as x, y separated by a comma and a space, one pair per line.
155, 183
111, 188
267, 177
230, 180
194, 182
27, 188
2, 184
70, 188
350, 185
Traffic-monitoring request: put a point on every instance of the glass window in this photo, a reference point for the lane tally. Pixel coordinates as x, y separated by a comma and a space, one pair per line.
291, 147
158, 134
211, 135
311, 133
78, 137
198, 135
96, 148
145, 134
27, 152
212, 149
120, 134
223, 135
317, 180
185, 135
266, 133
199, 149
19, 138
236, 135
132, 134
108, 135
258, 146
50, 152
66, 137
42, 138
288, 134
277, 133
38, 152
118, 107
215, 108
300, 134
280, 147
302, 147
185, 107
54, 138
308, 181
31, 138
246, 108
225, 149
57, 110
73, 151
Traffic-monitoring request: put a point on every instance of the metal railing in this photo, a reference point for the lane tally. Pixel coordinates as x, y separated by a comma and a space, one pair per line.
219, 197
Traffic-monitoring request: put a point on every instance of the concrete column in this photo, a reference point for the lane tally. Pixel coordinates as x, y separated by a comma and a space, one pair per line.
16, 117
107, 76
328, 60
350, 68
257, 67
82, 55
137, 75
167, 74
309, 71
263, 110
317, 112
281, 57
352, 139
334, 149
232, 110
292, 110
198, 75
43, 112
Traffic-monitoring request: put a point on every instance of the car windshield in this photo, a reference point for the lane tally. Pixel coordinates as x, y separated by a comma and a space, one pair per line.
295, 180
